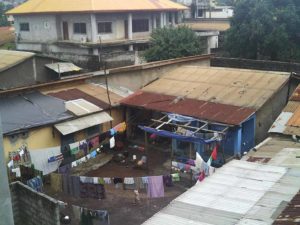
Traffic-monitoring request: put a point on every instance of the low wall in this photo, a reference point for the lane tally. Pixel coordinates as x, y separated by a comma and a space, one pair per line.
255, 64
33, 208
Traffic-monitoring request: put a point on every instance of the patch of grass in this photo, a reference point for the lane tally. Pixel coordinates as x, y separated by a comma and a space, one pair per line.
8, 46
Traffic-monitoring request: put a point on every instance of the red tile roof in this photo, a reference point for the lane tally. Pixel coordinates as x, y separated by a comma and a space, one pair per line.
210, 111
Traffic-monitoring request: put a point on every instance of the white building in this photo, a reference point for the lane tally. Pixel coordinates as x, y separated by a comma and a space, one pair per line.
84, 27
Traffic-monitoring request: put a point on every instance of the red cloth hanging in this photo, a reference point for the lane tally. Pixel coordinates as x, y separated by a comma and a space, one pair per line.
214, 153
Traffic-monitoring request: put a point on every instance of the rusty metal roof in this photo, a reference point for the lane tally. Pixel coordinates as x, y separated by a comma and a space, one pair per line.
10, 58
210, 111
296, 94
291, 214
63, 6
73, 94
237, 87
208, 25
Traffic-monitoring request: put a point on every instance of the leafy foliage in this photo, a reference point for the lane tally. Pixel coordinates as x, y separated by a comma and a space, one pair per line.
168, 43
265, 29
3, 19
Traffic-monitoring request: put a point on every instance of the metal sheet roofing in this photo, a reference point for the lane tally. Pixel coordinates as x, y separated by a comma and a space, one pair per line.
62, 6
81, 107
208, 25
210, 111
10, 58
238, 193
30, 110
63, 67
81, 123
93, 93
236, 87
288, 122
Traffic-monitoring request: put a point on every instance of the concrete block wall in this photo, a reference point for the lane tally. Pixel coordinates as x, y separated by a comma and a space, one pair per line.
33, 208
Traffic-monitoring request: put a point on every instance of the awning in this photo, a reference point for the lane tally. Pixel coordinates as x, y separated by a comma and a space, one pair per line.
78, 124
63, 67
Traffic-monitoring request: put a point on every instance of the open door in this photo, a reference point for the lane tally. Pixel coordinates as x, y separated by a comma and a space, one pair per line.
65, 31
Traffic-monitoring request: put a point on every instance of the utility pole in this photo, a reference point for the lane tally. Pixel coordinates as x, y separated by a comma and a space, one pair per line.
6, 213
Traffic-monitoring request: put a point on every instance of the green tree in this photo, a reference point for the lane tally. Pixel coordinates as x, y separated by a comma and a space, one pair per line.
265, 29
169, 43
3, 18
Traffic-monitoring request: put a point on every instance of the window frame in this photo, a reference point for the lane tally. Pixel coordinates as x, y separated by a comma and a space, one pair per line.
105, 23
80, 31
27, 26
138, 28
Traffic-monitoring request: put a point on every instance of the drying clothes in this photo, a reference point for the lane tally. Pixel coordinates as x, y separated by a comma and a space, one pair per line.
75, 183
118, 180
214, 153
145, 180
86, 180
65, 169
65, 183
187, 167
83, 146
129, 183
101, 180
121, 127
17, 171
201, 176
94, 142
74, 164
128, 180
91, 216
139, 183
112, 132
56, 182
55, 158
93, 154
10, 164
74, 148
36, 183
95, 180
107, 180
199, 162
112, 142
175, 177
155, 187
168, 180
39, 159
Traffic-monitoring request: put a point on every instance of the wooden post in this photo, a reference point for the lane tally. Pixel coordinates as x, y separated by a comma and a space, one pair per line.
146, 151
172, 154
190, 157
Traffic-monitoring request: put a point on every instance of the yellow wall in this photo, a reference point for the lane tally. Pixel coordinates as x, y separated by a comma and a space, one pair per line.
43, 137
37, 139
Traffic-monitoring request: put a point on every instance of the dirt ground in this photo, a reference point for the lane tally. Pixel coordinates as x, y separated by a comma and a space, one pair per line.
119, 202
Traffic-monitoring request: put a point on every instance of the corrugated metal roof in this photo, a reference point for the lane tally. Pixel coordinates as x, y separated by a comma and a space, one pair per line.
210, 111
30, 110
11, 58
81, 107
238, 193
91, 92
63, 67
291, 214
291, 106
237, 87
62, 6
294, 121
296, 94
279, 125
81, 123
208, 25
285, 153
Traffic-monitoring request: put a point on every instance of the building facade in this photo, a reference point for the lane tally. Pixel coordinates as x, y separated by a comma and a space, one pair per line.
86, 29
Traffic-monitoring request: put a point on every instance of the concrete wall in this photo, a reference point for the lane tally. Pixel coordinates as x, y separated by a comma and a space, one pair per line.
42, 28
255, 64
38, 138
135, 77
269, 112
23, 74
33, 208
19, 75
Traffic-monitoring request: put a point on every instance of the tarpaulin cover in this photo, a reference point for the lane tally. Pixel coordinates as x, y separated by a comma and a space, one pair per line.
168, 134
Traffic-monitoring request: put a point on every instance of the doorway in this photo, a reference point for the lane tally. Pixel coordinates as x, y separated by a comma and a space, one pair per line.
65, 31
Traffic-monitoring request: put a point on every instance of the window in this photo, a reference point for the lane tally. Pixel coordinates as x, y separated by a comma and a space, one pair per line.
104, 27
141, 25
24, 26
79, 28
200, 12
